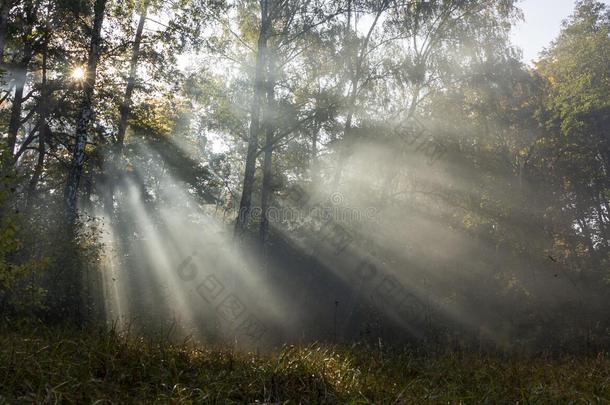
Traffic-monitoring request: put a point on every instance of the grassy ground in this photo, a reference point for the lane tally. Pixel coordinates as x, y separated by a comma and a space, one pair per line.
84, 367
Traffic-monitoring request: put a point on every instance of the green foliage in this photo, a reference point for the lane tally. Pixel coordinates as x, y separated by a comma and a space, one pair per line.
21, 291
45, 271
575, 110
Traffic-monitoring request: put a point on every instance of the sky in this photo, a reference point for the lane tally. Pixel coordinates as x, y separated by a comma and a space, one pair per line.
542, 24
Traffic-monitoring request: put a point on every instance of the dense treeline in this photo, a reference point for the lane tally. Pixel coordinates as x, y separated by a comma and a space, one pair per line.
480, 184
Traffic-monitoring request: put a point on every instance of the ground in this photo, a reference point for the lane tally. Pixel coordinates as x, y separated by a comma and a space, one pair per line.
69, 366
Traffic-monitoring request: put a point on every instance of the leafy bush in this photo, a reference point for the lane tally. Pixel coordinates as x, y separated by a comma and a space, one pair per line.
21, 291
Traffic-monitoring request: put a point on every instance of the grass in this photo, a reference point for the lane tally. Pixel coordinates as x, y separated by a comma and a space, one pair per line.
68, 366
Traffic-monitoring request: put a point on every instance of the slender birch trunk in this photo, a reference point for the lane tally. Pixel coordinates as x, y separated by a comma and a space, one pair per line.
86, 112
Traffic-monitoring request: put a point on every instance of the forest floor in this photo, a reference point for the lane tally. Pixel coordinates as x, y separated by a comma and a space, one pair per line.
62, 365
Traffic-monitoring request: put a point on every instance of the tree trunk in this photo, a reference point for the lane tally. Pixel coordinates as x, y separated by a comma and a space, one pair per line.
20, 79
86, 112
31, 15
15, 120
44, 131
259, 91
42, 139
124, 111
125, 108
589, 240
314, 167
603, 225
267, 161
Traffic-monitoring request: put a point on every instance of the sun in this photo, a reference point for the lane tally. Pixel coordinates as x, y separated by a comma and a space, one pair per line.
78, 73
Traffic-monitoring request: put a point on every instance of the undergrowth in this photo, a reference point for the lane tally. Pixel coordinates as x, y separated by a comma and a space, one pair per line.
69, 366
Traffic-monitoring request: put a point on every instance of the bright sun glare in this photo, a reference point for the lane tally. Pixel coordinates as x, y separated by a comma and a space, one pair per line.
78, 73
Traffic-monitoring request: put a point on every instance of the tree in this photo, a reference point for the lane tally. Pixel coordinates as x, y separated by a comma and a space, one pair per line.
576, 114
255, 111
85, 113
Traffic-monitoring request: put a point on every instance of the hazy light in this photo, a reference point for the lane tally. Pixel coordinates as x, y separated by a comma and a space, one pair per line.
78, 73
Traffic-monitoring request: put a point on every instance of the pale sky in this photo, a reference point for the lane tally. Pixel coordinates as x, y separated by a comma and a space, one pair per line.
542, 24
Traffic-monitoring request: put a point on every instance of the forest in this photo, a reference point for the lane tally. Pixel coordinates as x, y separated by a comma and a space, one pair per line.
302, 201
